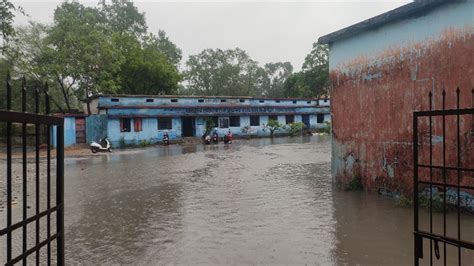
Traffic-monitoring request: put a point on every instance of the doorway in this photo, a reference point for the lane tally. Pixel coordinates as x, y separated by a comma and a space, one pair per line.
187, 126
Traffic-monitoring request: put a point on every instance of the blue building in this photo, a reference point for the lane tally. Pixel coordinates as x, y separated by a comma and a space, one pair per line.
134, 119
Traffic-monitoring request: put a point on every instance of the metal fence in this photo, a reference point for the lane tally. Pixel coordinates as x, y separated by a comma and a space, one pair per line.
447, 172
32, 225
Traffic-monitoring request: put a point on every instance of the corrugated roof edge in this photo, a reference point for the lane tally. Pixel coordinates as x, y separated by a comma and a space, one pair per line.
202, 97
409, 10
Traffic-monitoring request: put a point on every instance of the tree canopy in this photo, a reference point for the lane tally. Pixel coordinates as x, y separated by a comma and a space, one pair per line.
6, 21
223, 72
234, 72
313, 79
93, 50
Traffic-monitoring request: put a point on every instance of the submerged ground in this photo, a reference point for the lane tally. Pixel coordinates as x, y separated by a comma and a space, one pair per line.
257, 201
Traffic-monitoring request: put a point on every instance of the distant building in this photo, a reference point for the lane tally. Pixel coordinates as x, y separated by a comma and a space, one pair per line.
132, 119
382, 70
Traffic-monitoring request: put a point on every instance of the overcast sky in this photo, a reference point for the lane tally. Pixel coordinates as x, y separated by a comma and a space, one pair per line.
268, 31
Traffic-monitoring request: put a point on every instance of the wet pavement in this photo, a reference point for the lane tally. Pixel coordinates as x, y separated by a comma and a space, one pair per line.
257, 201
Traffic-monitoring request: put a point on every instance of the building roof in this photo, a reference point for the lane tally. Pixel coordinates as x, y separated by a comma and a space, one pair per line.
414, 9
202, 97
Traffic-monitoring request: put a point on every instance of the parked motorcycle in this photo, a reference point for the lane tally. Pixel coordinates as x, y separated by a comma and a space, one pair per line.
166, 138
207, 140
103, 145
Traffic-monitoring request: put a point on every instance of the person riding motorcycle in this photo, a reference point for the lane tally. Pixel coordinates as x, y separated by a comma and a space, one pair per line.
215, 137
228, 138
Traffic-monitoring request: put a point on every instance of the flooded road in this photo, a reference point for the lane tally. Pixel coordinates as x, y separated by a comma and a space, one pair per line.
255, 202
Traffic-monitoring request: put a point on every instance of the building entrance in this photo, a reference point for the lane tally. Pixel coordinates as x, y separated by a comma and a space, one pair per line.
188, 126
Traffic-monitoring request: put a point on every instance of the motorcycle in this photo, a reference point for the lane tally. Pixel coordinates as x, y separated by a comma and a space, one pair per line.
102, 145
166, 138
228, 138
207, 140
215, 138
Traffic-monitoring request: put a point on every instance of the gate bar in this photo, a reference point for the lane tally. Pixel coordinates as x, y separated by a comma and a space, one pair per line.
9, 170
48, 173
446, 239
25, 168
458, 138
60, 196
417, 244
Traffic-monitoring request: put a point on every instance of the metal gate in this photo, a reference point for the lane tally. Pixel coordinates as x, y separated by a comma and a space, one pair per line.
443, 172
33, 223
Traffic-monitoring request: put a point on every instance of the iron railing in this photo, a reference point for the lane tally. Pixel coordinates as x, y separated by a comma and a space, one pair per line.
424, 176
41, 235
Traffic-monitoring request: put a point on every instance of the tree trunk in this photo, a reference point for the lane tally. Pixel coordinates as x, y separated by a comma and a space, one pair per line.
63, 90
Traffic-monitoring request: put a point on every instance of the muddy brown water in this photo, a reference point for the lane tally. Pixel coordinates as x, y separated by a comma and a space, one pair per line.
257, 201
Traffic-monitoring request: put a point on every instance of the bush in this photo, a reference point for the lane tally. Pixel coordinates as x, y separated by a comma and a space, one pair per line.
327, 129
295, 128
246, 129
145, 143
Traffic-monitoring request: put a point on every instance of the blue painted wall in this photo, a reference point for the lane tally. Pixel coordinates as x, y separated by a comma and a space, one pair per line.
69, 132
96, 127
149, 133
403, 33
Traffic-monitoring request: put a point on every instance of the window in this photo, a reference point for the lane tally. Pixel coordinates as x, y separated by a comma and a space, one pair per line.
115, 100
223, 100
294, 102
277, 101
289, 119
255, 120
234, 121
174, 100
201, 100
308, 102
320, 118
325, 100
262, 101
273, 117
137, 124
125, 124
150, 100
224, 122
164, 123
242, 100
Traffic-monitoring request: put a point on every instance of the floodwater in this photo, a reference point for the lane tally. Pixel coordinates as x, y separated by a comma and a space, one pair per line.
257, 201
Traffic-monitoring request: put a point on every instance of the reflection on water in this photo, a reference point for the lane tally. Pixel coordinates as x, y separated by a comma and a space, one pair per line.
257, 201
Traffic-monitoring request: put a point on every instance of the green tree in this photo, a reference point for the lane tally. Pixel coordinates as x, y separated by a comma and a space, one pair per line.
145, 70
313, 79
26, 57
122, 16
224, 72
163, 44
91, 50
276, 75
6, 20
272, 126
82, 56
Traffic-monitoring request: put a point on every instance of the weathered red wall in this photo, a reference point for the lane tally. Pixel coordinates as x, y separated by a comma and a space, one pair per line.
373, 104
